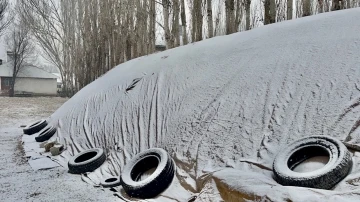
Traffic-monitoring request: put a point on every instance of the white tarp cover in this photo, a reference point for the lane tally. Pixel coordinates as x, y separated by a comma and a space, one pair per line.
224, 107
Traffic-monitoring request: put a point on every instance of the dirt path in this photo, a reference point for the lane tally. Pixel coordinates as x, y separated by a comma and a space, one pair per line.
18, 182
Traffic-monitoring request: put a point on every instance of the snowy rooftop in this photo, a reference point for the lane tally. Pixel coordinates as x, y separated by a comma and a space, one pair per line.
27, 72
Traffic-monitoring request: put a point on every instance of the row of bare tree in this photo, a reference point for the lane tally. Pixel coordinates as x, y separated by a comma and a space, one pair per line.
86, 38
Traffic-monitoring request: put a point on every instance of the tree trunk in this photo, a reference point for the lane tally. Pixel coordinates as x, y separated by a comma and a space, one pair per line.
138, 29
267, 12
198, 20
247, 10
152, 27
210, 19
272, 11
16, 65
343, 4
229, 12
238, 15
335, 5
289, 9
193, 22
183, 23
348, 4
306, 8
327, 7
320, 6
128, 48
196, 34
12, 87
175, 24
166, 24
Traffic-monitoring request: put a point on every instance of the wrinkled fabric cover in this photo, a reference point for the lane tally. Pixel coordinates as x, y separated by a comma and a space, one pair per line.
224, 107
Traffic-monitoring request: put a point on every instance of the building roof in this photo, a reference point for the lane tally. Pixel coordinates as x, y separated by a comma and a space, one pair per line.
28, 71
58, 75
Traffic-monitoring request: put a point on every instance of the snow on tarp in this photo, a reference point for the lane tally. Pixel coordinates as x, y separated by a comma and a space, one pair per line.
232, 103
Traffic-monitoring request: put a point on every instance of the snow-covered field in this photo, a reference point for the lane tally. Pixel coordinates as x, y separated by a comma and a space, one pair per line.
18, 181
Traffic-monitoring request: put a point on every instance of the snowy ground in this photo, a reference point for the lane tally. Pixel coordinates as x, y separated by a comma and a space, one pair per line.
18, 181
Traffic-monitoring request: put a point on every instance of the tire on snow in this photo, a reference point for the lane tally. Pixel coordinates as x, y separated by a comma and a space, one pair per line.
46, 134
86, 161
157, 182
35, 127
111, 182
327, 177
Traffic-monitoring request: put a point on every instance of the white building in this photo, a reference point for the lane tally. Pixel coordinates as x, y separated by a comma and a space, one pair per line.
30, 80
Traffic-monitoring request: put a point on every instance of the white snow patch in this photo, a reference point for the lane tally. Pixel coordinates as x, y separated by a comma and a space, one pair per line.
312, 164
42, 163
147, 174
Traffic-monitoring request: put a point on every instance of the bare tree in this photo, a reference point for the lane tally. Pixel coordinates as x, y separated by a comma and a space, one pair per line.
183, 22
257, 15
219, 29
4, 22
229, 12
247, 11
152, 25
239, 12
335, 5
289, 9
166, 13
47, 24
298, 8
267, 12
20, 50
306, 8
272, 11
197, 21
210, 18
176, 23
281, 11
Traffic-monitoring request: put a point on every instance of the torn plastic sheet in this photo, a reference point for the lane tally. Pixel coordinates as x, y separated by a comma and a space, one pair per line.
214, 103
33, 153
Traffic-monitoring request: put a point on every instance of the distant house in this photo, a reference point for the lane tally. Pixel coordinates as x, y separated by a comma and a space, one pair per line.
30, 80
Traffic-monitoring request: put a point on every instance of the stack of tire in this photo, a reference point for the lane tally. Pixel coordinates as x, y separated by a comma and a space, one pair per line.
45, 131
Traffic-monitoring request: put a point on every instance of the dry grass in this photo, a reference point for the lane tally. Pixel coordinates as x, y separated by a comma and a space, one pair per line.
22, 108
17, 111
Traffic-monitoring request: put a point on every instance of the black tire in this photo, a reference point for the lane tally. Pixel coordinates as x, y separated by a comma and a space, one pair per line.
111, 182
86, 161
45, 134
157, 182
338, 167
35, 127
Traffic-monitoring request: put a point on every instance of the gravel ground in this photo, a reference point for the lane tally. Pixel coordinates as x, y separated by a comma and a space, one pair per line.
18, 182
